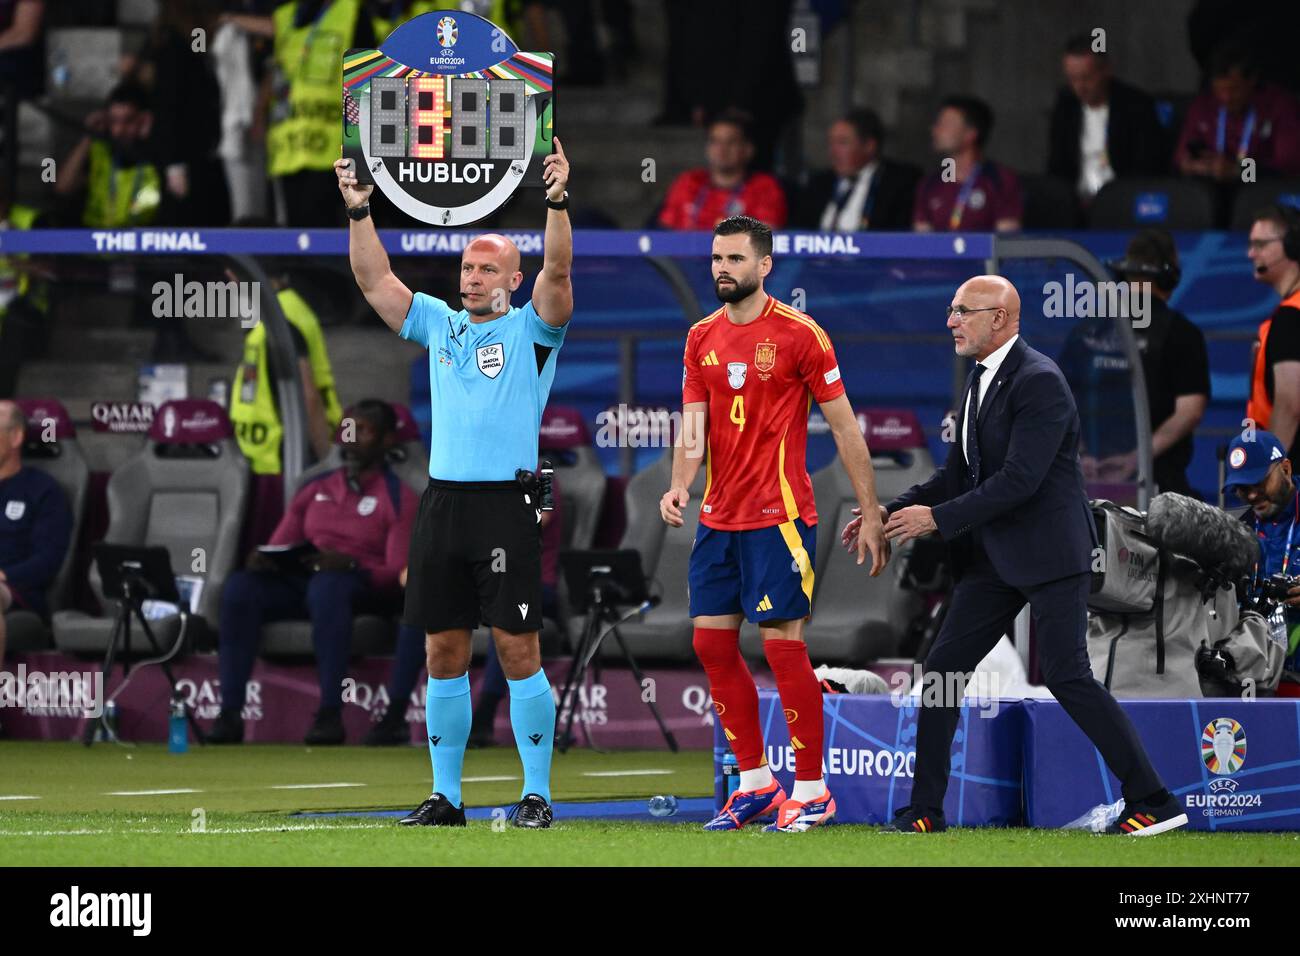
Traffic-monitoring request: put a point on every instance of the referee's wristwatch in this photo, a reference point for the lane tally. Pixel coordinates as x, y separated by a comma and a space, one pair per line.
561, 203
357, 213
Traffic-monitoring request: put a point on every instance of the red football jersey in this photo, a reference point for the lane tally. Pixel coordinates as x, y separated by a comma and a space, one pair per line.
760, 381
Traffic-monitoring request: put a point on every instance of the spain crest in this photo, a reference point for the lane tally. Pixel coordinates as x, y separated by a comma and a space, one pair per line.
765, 356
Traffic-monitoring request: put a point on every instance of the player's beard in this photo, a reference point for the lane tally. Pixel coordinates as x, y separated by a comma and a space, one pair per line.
735, 293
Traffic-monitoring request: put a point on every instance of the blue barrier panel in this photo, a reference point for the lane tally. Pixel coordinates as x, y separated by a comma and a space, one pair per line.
1234, 764
870, 753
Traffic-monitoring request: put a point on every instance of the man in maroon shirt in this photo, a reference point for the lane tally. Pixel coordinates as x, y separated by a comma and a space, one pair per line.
357, 520
702, 198
969, 193
1239, 117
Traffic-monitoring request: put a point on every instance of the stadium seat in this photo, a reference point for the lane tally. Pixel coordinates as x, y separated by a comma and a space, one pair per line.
663, 633
1050, 203
1253, 197
186, 490
857, 618
371, 633
1168, 202
63, 461
578, 472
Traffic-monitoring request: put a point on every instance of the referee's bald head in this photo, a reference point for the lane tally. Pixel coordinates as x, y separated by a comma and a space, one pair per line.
497, 245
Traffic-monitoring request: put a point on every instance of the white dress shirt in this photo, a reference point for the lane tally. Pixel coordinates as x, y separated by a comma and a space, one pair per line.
1094, 160
991, 366
850, 216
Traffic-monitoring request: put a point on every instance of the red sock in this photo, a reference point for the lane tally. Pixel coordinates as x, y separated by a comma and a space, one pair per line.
801, 698
735, 698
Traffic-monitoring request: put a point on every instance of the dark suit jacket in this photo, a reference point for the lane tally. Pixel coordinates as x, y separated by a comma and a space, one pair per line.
1030, 506
1135, 141
893, 189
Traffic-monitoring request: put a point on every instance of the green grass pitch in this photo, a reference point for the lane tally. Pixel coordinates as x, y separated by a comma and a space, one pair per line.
100, 807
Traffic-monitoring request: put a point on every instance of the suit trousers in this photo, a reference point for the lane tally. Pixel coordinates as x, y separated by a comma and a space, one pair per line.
984, 607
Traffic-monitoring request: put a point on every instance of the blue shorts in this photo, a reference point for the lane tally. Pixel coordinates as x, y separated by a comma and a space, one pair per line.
764, 573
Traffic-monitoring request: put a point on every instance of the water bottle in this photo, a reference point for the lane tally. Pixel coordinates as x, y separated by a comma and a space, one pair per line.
663, 806
107, 729
178, 733
730, 775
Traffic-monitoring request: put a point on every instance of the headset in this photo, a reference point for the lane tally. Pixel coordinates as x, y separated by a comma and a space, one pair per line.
1165, 274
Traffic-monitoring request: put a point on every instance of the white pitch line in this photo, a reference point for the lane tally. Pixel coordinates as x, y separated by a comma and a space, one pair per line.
627, 773
487, 779
210, 830
314, 786
18, 797
148, 793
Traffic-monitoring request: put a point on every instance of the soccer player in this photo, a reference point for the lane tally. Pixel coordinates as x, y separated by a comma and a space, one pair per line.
752, 371
476, 547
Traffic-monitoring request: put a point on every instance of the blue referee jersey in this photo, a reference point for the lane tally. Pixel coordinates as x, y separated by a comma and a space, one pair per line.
488, 385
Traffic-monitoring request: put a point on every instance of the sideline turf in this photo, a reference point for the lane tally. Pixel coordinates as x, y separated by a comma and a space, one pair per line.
246, 824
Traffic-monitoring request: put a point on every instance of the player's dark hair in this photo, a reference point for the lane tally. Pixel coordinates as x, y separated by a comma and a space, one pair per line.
866, 123
128, 91
975, 112
760, 233
737, 118
1152, 248
379, 413
1280, 214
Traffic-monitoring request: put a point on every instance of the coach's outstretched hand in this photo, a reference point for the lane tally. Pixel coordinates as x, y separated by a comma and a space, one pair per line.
353, 194
873, 539
671, 504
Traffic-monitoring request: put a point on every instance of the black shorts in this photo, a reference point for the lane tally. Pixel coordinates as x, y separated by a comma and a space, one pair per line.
476, 557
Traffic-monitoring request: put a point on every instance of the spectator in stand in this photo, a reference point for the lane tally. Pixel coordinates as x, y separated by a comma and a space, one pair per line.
185, 101
35, 524
701, 198
1101, 127
22, 66
969, 193
862, 189
1240, 117
114, 164
357, 520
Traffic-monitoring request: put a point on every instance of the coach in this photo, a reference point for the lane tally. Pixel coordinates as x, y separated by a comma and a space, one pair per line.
476, 547
1010, 501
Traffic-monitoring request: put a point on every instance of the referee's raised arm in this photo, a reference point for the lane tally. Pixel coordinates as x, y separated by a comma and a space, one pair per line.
553, 290
386, 294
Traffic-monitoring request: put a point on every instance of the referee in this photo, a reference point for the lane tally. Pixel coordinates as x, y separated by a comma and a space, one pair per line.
476, 546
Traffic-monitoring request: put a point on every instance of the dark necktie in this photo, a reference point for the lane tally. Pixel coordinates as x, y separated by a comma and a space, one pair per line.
972, 417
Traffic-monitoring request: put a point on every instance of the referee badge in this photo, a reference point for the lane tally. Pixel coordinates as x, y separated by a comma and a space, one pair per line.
491, 359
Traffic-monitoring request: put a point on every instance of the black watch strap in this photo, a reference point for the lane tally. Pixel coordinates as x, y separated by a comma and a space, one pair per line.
562, 204
358, 213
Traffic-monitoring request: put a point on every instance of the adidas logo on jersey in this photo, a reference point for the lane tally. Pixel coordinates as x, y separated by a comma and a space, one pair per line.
710, 359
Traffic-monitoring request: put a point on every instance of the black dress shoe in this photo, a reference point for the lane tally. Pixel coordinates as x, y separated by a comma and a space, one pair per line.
1143, 818
909, 820
228, 728
326, 729
388, 733
531, 813
437, 811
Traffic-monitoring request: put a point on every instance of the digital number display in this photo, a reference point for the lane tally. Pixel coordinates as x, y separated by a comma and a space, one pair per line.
427, 106
408, 118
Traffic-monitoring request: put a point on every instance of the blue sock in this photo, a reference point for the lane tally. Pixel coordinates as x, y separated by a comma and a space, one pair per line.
447, 716
532, 717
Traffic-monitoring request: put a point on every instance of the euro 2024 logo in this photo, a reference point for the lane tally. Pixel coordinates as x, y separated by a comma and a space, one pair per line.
447, 32
1223, 746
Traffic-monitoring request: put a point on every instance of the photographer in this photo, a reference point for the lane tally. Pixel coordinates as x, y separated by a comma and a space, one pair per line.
1259, 472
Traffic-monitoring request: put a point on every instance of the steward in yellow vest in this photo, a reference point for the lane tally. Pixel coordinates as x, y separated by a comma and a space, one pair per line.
254, 405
